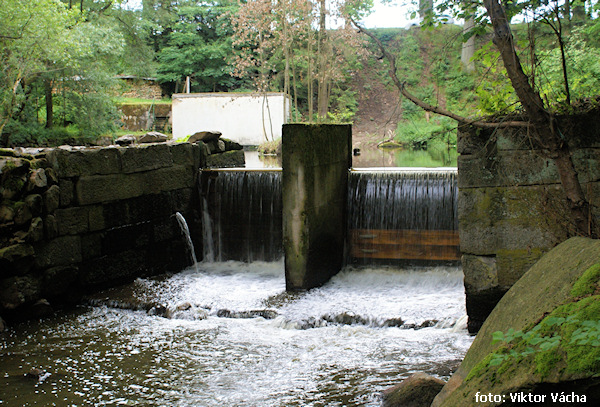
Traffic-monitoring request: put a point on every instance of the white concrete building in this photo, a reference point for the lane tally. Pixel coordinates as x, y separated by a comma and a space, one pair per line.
248, 118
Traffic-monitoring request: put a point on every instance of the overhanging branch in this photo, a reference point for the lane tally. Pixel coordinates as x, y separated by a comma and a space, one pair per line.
425, 106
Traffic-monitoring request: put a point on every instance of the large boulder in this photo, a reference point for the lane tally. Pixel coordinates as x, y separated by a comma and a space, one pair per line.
417, 390
558, 297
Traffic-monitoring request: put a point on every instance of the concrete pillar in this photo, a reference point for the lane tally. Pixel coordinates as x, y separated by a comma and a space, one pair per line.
315, 161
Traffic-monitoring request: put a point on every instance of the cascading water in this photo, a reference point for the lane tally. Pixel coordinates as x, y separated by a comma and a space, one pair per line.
404, 214
185, 231
244, 209
230, 335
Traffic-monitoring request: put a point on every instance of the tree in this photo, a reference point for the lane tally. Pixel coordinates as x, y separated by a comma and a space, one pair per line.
32, 33
290, 40
542, 122
198, 45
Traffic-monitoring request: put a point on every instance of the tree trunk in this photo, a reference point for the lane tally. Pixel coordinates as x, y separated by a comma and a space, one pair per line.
543, 129
322, 101
425, 7
468, 47
49, 103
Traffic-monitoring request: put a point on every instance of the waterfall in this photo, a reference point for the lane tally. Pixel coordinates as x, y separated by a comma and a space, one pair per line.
244, 208
408, 214
208, 247
186, 233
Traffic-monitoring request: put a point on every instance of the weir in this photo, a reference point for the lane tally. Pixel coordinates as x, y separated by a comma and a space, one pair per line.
241, 215
395, 216
404, 214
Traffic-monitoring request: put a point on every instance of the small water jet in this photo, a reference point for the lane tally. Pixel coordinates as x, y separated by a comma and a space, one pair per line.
185, 231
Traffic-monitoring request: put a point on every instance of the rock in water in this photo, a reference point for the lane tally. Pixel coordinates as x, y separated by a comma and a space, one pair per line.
418, 390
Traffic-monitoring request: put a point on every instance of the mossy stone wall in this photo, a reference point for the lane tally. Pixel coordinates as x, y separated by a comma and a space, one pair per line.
74, 220
511, 205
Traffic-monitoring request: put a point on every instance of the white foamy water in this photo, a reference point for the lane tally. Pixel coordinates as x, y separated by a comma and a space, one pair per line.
326, 347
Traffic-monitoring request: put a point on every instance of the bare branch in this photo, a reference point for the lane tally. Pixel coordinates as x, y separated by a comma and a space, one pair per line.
425, 106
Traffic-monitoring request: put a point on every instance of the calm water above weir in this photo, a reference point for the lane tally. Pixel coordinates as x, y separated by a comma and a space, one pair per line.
375, 157
339, 345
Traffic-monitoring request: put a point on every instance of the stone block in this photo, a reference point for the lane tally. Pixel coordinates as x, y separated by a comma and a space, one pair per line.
51, 227
62, 251
315, 159
16, 259
492, 219
481, 272
88, 161
228, 159
67, 192
182, 199
182, 153
58, 281
231, 145
72, 221
127, 237
512, 264
96, 218
100, 189
166, 230
112, 269
36, 230
587, 164
505, 169
52, 199
91, 246
16, 291
145, 158
149, 207
472, 140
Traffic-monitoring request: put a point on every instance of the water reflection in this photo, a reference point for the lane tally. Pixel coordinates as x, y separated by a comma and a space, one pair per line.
376, 157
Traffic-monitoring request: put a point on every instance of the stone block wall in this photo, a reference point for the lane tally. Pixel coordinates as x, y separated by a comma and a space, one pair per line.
511, 205
74, 220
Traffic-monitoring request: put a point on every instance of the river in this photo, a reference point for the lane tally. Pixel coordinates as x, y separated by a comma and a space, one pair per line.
230, 335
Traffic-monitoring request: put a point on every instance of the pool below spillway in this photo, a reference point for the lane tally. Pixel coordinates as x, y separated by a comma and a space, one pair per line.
229, 335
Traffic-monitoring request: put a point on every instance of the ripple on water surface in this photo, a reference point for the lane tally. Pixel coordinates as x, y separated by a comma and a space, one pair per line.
324, 347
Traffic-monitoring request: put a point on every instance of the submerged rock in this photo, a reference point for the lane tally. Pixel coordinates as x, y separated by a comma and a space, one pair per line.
38, 374
263, 313
418, 390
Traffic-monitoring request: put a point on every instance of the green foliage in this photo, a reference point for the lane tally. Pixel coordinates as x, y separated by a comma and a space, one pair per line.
570, 333
583, 70
198, 44
419, 132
